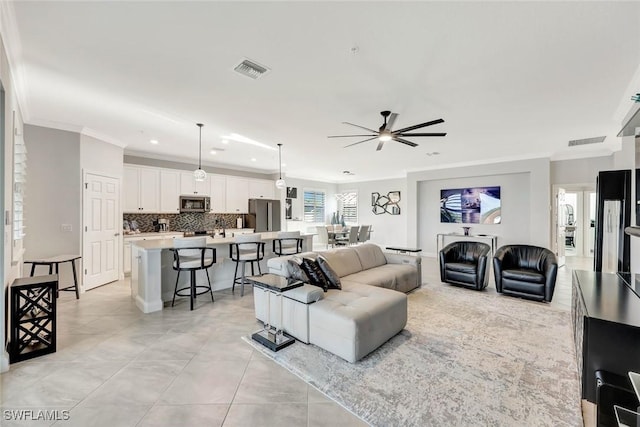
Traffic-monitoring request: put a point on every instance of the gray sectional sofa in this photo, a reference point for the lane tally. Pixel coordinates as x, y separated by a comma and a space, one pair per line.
352, 322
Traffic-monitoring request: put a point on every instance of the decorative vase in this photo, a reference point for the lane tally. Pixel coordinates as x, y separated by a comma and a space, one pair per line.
466, 230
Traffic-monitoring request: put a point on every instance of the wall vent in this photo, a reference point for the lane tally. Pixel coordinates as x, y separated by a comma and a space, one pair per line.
586, 141
250, 69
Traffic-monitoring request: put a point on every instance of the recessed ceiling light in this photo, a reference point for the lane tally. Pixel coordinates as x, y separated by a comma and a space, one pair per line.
253, 159
225, 141
284, 164
433, 153
154, 141
214, 152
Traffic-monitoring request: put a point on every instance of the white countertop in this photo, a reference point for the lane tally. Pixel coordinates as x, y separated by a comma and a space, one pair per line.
167, 243
159, 235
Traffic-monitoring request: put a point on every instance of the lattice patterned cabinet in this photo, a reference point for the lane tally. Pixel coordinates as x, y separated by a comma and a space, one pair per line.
33, 317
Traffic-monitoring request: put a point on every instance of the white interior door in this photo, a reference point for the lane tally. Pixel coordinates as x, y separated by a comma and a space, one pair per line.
560, 235
101, 241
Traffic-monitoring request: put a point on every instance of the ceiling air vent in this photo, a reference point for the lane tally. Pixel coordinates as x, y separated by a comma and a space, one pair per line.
250, 69
586, 141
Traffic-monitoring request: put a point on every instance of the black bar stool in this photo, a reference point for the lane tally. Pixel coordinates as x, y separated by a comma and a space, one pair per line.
246, 248
287, 243
191, 254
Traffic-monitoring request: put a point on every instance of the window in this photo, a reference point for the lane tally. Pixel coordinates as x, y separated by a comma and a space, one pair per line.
314, 206
348, 206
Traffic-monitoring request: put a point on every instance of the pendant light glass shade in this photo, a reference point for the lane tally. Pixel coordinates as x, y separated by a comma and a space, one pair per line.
199, 174
280, 183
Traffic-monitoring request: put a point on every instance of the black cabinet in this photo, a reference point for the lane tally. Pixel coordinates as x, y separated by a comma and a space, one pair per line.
606, 324
33, 317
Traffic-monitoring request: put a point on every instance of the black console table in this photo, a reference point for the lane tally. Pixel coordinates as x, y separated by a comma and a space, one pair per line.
606, 322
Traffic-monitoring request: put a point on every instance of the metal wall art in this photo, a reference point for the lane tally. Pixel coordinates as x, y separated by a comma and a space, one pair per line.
386, 204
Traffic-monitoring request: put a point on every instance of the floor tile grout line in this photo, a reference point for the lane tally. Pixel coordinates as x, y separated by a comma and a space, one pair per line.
237, 388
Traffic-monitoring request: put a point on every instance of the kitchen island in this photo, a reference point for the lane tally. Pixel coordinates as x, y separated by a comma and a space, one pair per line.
153, 278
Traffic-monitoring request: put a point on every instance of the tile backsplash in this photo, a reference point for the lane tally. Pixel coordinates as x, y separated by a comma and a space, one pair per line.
186, 221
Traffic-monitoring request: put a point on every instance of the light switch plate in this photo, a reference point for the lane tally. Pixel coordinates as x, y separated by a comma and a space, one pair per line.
67, 228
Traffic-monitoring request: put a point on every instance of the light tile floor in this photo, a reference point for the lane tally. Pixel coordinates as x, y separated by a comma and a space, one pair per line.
118, 367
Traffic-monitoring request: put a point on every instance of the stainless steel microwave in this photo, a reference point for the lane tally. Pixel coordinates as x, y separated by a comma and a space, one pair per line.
195, 204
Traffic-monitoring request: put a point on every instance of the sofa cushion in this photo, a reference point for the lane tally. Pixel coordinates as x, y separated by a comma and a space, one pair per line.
343, 261
523, 275
462, 267
354, 322
280, 265
314, 273
370, 256
399, 277
296, 271
330, 274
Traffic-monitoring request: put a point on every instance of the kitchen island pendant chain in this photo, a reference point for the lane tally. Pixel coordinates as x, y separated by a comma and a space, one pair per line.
280, 184
199, 174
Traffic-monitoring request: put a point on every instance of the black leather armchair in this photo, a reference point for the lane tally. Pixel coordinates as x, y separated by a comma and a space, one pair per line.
465, 263
525, 271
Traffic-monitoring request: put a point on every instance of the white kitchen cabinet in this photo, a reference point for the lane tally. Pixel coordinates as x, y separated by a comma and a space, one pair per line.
141, 192
188, 185
218, 193
237, 195
169, 191
261, 189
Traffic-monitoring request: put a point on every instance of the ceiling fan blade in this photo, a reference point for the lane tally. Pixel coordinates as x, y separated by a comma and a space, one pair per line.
422, 134
404, 141
380, 144
392, 119
348, 136
360, 142
421, 125
361, 127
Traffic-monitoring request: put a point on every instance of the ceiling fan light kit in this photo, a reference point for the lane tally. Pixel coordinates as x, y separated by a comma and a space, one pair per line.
385, 132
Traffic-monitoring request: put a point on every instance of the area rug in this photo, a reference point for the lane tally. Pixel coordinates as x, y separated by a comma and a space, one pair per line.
465, 358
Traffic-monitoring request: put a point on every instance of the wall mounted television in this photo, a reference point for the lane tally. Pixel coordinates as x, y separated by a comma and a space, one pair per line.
474, 205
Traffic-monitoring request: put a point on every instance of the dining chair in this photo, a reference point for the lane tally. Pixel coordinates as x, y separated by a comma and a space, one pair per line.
363, 234
325, 237
351, 238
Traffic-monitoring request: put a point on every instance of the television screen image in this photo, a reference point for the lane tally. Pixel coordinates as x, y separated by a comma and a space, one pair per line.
476, 205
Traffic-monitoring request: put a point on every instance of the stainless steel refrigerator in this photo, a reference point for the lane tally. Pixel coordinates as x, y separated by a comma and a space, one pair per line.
264, 215
613, 214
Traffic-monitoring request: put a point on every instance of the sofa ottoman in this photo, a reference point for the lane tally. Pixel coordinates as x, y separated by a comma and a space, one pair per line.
357, 320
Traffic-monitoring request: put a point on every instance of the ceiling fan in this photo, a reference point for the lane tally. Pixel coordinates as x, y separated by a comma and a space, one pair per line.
385, 133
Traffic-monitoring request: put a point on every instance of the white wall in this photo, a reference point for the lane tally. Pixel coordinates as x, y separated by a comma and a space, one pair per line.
516, 209
387, 229
297, 207
53, 192
580, 171
100, 157
525, 182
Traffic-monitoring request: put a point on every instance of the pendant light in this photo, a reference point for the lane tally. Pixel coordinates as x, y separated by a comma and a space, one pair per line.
280, 184
199, 174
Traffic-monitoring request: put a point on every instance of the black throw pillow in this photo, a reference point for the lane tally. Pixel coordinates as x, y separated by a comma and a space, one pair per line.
316, 276
295, 269
330, 274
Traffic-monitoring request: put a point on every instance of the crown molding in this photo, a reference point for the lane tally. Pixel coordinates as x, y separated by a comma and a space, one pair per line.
13, 48
82, 130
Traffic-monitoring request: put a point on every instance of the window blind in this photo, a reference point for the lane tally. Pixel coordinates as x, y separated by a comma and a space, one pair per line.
314, 206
